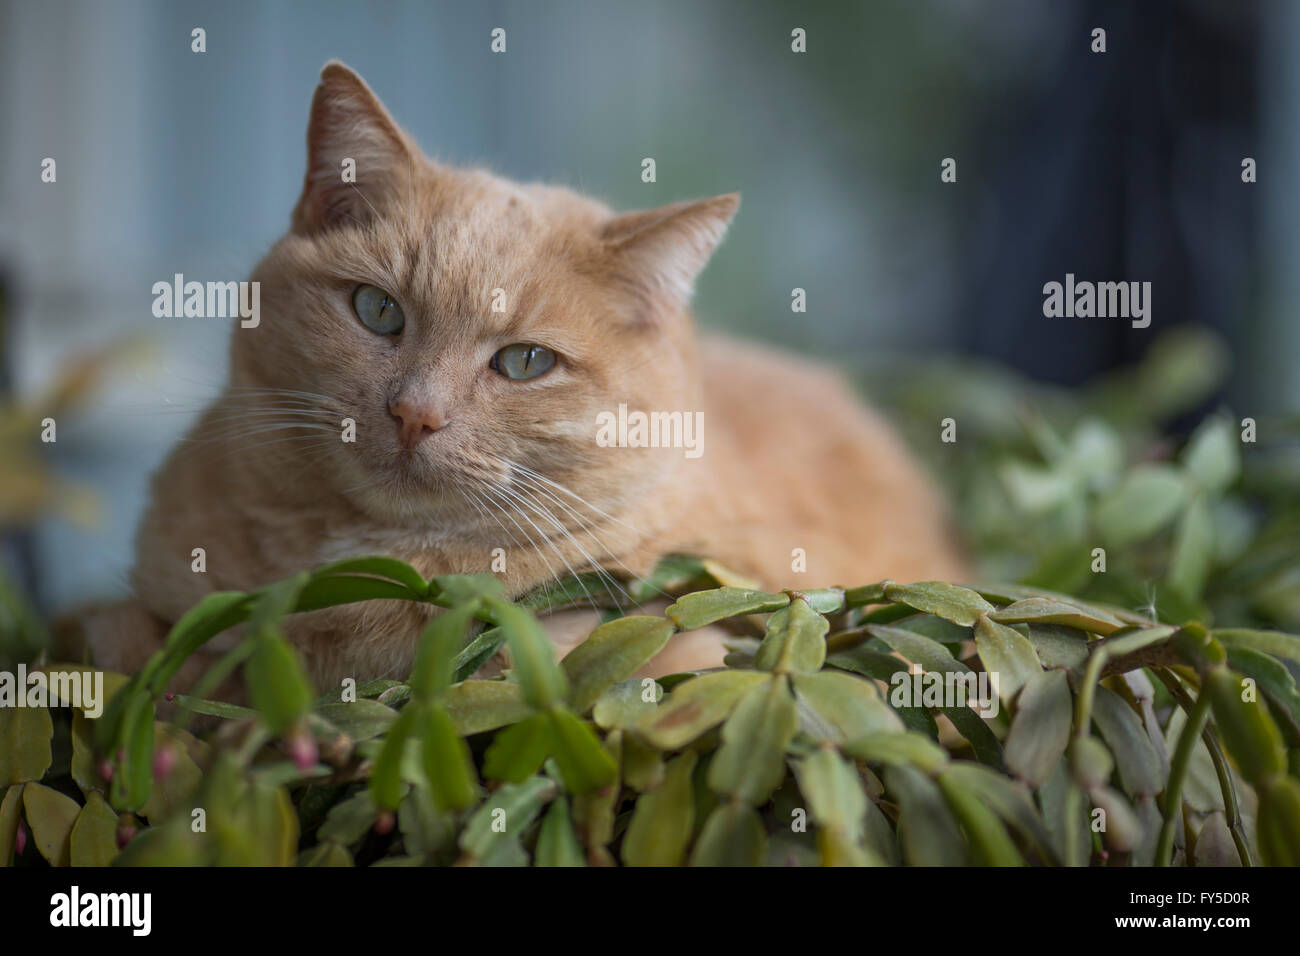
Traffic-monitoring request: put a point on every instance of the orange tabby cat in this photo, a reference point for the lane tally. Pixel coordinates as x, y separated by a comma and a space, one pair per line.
477, 333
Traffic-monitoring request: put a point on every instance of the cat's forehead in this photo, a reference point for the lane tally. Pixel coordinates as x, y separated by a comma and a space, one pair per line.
478, 204
491, 252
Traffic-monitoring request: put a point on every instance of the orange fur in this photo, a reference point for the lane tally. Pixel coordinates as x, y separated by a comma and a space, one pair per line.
791, 459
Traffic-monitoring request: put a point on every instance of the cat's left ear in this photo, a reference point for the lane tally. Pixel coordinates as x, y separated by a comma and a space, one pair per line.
666, 248
358, 158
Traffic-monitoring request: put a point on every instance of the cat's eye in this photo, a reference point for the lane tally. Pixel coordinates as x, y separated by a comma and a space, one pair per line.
522, 361
377, 310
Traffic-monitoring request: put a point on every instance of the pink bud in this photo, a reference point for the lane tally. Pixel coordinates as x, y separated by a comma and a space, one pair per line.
385, 822
169, 697
125, 834
163, 762
303, 749
20, 839
105, 769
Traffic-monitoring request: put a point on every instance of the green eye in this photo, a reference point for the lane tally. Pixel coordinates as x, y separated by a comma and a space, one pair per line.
523, 361
377, 310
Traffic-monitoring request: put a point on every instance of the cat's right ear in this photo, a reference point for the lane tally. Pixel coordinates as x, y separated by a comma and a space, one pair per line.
664, 249
358, 158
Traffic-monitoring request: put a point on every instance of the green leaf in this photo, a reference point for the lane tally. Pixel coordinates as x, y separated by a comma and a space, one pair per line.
531, 655
838, 707
1050, 611
1279, 821
557, 844
795, 642
51, 816
949, 601
1273, 643
697, 705
171, 793
931, 655
707, 607
212, 615
834, 793
750, 764
1135, 755
867, 594
1007, 653
168, 845
504, 816
360, 719
447, 761
863, 660
584, 763
518, 751
474, 654
1193, 550
10, 814
1123, 830
1273, 677
386, 785
983, 741
935, 658
989, 839
440, 642
624, 705
1145, 501
1212, 456
133, 775
674, 572
613, 652
458, 589
425, 829
25, 734
325, 854
476, 706
1041, 728
274, 602
266, 816
1248, 731
643, 766
380, 567
1059, 647
349, 820
336, 589
823, 600
93, 841
733, 835
664, 819
926, 827
277, 685
1009, 799
899, 750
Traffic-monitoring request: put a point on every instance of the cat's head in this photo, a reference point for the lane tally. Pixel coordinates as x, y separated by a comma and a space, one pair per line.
471, 327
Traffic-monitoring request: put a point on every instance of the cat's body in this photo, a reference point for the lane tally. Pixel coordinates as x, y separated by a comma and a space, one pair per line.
458, 467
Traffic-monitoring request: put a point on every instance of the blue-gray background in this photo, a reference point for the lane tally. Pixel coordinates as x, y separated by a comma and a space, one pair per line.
1117, 166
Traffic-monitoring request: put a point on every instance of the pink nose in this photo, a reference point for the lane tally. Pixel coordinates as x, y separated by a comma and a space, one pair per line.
415, 420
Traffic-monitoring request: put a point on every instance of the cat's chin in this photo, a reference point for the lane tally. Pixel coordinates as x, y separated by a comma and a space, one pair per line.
419, 502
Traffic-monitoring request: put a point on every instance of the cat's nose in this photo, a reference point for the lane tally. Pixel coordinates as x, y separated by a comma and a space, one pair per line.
416, 420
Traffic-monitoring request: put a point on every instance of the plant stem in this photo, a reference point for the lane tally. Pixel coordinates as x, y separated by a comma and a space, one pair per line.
1178, 768
1228, 787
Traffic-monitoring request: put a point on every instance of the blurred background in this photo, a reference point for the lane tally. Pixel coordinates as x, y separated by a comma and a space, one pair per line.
1117, 166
